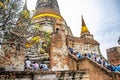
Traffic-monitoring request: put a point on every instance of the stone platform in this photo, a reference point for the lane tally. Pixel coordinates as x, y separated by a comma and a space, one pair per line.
44, 75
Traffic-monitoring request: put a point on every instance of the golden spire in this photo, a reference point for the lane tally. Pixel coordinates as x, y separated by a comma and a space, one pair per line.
25, 6
84, 27
83, 22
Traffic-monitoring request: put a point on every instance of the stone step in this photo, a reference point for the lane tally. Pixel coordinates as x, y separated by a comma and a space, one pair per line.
36, 58
35, 55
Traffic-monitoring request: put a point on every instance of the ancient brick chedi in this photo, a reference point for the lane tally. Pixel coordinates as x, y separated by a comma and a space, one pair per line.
47, 14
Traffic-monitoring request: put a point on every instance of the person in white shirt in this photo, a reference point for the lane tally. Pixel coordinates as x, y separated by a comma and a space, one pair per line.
28, 63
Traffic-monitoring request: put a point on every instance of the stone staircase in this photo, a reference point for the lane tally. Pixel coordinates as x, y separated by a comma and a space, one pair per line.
92, 61
96, 70
34, 57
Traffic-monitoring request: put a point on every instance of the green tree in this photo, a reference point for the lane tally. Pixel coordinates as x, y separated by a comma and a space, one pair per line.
9, 10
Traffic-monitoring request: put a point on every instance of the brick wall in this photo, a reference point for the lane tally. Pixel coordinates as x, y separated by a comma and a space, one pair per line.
72, 64
12, 60
83, 45
58, 52
97, 72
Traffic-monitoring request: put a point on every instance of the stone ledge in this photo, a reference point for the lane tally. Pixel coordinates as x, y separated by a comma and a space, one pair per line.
44, 75
43, 72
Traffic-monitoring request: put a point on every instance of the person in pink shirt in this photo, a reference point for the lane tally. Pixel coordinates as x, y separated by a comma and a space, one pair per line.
35, 66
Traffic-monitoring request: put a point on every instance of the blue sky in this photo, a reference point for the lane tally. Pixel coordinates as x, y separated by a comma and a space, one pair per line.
102, 18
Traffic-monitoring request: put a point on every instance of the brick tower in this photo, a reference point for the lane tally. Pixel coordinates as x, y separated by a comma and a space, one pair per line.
113, 55
47, 14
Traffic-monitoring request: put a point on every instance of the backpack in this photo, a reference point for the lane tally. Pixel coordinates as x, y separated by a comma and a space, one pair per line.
41, 66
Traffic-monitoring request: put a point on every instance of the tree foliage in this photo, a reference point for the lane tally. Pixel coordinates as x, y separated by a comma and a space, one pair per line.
25, 14
9, 10
14, 21
17, 30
